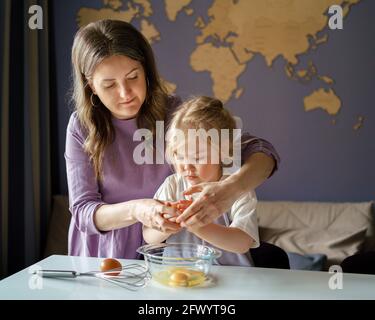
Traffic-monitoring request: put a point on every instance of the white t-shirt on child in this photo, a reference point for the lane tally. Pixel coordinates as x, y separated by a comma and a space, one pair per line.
242, 214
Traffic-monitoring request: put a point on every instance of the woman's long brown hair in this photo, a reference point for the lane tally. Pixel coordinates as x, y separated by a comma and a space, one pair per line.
92, 44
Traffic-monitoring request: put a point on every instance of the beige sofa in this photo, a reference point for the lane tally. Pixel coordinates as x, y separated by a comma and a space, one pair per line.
336, 230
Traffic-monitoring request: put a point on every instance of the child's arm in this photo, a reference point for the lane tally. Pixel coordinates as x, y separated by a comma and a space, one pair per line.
226, 238
153, 236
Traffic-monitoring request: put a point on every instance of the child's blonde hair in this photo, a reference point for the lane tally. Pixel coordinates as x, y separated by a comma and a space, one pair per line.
199, 113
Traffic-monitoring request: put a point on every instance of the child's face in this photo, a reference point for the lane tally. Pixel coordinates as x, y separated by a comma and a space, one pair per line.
199, 166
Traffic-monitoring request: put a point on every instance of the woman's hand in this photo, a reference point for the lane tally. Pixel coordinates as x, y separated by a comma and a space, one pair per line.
151, 213
215, 198
218, 197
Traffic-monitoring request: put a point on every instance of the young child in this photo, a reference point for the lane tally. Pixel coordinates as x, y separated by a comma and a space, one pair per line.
234, 232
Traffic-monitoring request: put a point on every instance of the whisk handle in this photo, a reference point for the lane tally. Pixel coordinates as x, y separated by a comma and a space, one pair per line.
56, 273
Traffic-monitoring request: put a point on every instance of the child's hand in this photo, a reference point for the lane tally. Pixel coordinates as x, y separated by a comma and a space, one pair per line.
180, 207
183, 205
171, 213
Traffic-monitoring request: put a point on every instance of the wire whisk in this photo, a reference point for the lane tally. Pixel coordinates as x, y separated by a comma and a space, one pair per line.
132, 276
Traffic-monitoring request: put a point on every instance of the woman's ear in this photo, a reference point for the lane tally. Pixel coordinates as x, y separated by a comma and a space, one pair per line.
92, 87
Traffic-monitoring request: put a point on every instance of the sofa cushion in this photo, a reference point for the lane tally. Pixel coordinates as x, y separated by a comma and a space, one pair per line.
334, 229
314, 262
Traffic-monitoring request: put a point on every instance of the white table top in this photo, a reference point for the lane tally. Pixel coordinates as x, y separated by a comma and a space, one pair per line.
231, 283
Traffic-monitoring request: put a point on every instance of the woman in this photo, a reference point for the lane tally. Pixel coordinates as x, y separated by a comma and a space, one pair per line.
116, 91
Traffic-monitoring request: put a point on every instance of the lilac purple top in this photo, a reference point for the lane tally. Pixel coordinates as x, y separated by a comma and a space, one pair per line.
123, 180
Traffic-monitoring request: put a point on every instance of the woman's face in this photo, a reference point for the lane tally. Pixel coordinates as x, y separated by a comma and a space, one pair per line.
120, 84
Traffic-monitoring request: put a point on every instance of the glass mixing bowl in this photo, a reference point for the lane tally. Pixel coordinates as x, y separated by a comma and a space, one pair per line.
179, 264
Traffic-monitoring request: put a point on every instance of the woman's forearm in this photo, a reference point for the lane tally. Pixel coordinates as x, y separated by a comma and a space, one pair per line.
114, 216
226, 238
147, 211
256, 169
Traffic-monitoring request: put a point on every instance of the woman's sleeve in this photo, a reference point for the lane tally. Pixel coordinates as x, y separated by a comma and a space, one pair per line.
251, 144
84, 195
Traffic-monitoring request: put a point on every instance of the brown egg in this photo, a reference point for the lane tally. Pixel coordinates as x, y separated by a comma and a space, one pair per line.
110, 264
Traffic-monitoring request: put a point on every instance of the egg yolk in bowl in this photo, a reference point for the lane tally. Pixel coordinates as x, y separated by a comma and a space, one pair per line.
180, 277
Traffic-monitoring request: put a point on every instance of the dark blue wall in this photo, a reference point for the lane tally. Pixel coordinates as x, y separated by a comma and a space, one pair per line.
320, 161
